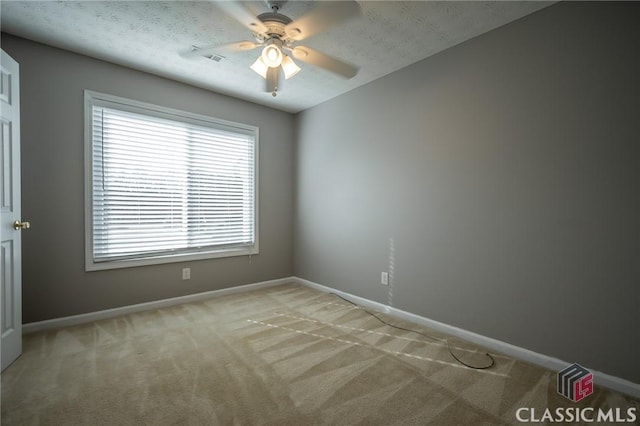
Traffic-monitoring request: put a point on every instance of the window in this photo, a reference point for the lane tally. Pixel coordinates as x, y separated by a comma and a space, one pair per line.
165, 185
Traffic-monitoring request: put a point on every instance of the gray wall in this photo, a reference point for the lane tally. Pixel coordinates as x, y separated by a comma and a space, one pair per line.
497, 181
54, 281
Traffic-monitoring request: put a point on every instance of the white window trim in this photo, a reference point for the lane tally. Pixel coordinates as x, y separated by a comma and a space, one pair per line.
92, 98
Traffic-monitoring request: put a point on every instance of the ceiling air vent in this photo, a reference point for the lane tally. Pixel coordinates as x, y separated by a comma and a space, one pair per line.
214, 56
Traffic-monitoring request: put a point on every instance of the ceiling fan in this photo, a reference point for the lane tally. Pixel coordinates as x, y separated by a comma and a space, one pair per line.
277, 35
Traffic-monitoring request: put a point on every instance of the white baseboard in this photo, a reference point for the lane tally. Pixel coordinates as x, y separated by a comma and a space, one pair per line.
545, 361
32, 327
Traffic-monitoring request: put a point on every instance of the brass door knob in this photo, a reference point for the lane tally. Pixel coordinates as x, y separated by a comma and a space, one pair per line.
18, 225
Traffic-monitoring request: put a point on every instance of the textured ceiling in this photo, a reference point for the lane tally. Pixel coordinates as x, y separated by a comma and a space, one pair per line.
150, 35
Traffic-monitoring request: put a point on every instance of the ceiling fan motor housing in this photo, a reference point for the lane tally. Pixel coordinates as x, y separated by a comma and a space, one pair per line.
275, 23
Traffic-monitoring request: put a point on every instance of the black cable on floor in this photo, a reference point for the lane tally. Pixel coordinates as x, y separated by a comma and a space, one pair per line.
445, 341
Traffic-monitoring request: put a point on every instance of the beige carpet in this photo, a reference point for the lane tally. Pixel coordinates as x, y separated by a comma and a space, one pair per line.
285, 355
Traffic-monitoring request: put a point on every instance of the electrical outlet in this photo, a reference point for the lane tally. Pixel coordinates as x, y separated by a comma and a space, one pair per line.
384, 278
186, 273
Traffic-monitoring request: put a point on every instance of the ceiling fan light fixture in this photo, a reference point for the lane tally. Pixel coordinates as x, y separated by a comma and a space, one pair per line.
260, 67
289, 67
272, 53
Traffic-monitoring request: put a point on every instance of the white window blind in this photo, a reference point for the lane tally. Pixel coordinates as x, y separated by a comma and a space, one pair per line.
168, 184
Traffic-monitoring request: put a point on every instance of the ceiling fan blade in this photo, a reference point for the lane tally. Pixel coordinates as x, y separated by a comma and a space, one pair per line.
325, 15
238, 46
313, 57
242, 15
273, 80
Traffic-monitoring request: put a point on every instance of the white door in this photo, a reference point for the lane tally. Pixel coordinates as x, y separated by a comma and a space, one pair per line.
10, 258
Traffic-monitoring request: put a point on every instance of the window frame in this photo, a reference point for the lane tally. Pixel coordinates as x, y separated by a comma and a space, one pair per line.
91, 99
